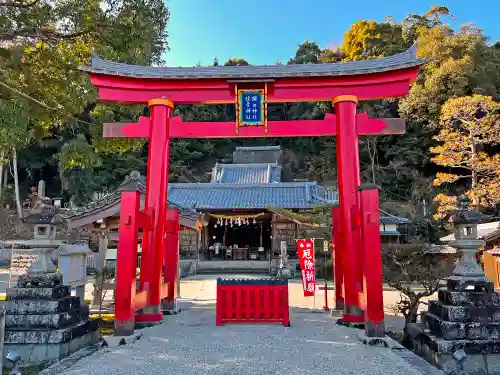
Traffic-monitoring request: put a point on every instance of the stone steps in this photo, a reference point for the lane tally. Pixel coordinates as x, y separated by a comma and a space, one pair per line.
41, 306
46, 323
38, 293
464, 314
50, 321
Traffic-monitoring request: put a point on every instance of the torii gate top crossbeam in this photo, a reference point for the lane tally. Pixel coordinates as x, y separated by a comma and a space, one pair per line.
367, 80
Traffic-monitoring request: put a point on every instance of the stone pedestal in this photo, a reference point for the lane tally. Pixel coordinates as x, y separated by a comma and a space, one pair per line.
462, 318
461, 331
44, 322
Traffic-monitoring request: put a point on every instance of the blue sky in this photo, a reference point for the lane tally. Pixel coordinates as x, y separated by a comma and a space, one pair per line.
263, 31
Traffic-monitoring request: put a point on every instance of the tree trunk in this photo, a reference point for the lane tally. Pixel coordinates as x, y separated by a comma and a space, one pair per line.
16, 184
474, 180
411, 317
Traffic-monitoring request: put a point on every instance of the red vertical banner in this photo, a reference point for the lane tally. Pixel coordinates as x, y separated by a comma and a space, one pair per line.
305, 251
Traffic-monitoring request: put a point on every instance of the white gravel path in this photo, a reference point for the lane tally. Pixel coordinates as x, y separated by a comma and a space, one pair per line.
191, 344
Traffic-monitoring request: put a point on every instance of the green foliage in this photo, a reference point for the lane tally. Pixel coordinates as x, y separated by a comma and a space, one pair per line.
78, 153
369, 40
14, 124
43, 43
236, 61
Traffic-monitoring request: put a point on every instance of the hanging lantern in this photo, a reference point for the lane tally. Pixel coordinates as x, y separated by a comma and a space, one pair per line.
254, 221
214, 237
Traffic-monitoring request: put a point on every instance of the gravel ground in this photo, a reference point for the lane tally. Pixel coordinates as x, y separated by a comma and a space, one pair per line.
190, 343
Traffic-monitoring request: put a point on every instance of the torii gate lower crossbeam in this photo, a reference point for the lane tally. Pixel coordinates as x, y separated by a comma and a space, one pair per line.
345, 124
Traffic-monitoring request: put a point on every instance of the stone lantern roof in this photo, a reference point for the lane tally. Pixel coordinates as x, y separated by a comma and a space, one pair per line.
44, 214
465, 216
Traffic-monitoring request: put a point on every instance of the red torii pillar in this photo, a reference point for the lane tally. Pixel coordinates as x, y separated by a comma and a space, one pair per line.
156, 201
348, 181
171, 261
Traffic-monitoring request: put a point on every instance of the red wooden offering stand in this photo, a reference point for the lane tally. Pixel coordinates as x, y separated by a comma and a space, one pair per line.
252, 301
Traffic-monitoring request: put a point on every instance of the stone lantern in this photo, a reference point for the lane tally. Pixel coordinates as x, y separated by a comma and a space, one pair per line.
467, 272
460, 332
45, 221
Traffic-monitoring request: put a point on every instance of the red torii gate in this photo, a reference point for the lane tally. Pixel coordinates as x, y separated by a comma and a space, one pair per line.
251, 88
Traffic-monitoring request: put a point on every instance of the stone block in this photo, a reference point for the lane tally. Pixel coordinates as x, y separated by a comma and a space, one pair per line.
115, 341
464, 313
51, 336
460, 284
40, 306
475, 364
55, 321
34, 354
38, 293
423, 340
469, 298
462, 330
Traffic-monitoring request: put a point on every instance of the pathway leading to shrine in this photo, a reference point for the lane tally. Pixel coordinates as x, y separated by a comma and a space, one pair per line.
191, 344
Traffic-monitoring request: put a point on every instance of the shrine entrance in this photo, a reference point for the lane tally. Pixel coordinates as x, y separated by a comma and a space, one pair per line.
358, 289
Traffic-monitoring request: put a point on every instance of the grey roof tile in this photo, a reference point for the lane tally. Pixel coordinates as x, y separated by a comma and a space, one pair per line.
258, 148
395, 220
402, 60
299, 195
246, 173
138, 184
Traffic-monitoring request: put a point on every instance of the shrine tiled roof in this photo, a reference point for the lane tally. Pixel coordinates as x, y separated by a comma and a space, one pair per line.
258, 148
135, 183
256, 173
212, 196
402, 60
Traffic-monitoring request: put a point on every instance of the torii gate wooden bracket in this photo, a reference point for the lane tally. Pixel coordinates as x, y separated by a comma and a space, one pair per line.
294, 128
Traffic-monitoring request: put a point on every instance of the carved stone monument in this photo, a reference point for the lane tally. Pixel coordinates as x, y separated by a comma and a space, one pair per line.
460, 333
43, 321
284, 270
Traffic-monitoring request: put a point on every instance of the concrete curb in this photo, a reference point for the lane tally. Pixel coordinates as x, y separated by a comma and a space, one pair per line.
411, 359
69, 361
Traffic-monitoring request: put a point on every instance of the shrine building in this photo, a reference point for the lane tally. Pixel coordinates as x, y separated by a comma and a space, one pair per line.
231, 217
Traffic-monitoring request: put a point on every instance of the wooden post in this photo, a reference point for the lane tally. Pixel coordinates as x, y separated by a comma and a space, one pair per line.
348, 181
372, 261
126, 263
